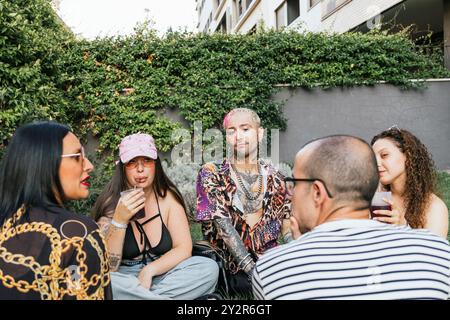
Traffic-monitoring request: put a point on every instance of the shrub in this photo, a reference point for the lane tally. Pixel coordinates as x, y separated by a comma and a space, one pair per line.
184, 177
32, 40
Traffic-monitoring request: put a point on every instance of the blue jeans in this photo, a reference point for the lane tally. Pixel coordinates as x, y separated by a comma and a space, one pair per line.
190, 279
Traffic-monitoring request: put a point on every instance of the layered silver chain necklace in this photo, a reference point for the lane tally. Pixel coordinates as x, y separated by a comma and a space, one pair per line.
248, 194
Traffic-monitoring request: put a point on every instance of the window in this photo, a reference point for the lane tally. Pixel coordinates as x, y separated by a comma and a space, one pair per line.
252, 30
287, 13
293, 10
208, 23
222, 26
240, 8
280, 15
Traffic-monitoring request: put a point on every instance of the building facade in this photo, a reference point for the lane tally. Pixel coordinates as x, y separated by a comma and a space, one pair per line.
245, 16
56, 4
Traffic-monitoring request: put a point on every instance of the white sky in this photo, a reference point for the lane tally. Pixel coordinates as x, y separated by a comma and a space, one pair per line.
91, 18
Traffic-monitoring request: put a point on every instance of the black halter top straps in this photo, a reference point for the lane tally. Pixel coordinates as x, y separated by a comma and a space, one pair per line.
131, 248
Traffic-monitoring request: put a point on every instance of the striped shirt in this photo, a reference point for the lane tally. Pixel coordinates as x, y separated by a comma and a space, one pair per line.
356, 259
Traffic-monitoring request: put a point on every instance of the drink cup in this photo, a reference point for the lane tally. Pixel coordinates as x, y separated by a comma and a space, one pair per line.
379, 204
141, 213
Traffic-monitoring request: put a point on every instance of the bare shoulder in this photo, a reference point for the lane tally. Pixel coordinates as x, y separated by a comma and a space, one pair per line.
171, 207
437, 210
438, 204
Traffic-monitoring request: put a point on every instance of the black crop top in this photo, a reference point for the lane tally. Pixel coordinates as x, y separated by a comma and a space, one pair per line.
131, 249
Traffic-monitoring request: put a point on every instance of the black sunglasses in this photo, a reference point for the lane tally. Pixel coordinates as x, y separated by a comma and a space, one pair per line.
290, 183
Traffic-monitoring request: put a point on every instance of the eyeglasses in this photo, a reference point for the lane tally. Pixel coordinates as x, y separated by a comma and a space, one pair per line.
75, 155
290, 184
146, 162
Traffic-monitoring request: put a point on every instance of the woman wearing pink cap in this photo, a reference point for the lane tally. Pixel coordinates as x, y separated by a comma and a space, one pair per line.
147, 230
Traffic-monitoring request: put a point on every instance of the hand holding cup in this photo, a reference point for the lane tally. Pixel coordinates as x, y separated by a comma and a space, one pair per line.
383, 209
130, 203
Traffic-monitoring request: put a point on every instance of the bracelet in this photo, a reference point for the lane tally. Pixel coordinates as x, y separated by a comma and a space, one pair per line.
118, 225
250, 261
252, 265
244, 261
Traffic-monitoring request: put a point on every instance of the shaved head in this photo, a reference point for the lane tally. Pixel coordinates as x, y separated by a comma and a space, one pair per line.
347, 164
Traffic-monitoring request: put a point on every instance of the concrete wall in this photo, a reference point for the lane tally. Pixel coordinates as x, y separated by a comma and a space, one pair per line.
366, 111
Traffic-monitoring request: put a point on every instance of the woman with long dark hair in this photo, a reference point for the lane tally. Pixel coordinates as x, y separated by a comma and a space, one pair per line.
147, 230
46, 251
407, 169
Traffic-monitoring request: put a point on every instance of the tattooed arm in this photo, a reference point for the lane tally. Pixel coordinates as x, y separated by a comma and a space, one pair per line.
234, 244
114, 238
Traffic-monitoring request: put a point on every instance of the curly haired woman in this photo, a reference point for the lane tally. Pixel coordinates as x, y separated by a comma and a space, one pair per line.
407, 170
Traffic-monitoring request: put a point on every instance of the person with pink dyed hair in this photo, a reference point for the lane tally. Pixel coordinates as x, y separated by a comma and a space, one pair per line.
242, 202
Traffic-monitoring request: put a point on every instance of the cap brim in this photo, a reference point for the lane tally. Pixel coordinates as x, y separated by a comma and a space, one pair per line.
129, 156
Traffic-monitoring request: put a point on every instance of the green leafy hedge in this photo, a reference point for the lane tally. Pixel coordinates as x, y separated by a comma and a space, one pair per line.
117, 86
32, 41
203, 76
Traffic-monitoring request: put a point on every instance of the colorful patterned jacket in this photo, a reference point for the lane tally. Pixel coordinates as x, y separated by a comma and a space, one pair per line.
217, 198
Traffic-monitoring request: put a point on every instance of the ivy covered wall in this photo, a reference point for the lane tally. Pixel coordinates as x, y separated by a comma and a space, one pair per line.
117, 86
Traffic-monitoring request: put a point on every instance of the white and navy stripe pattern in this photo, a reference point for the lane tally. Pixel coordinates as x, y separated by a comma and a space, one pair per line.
356, 259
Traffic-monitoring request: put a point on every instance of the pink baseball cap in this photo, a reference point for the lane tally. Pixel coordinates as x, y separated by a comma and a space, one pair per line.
137, 145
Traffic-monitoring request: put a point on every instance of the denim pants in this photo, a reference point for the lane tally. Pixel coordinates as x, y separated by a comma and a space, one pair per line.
190, 279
